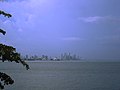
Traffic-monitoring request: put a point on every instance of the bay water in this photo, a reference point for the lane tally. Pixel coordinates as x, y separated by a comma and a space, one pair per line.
61, 75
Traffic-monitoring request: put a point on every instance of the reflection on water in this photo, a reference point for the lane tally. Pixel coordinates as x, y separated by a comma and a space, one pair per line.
64, 76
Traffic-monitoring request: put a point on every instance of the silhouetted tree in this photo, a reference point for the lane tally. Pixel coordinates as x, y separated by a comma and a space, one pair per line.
8, 53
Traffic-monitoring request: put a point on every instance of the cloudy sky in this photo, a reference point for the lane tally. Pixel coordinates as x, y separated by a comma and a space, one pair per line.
89, 28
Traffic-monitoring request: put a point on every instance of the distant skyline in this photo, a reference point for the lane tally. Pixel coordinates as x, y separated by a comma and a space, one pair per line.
88, 28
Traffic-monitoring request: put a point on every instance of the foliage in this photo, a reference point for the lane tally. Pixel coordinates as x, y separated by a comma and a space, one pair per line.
5, 14
8, 53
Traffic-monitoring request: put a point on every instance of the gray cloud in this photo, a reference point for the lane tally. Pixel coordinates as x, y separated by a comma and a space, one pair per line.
100, 19
72, 39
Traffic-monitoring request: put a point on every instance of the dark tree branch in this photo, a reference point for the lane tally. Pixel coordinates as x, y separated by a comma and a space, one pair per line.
2, 31
5, 14
8, 53
5, 79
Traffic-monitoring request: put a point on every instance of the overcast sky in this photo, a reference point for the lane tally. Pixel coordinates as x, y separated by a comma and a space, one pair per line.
89, 28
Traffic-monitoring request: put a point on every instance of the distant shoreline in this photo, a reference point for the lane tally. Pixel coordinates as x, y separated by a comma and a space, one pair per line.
55, 61
66, 61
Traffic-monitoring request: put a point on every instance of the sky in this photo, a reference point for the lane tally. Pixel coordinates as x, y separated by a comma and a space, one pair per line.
88, 28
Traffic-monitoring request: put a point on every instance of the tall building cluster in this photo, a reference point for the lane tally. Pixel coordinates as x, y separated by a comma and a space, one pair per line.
69, 56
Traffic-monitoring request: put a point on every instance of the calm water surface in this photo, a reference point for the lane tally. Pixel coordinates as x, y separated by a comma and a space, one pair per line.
64, 76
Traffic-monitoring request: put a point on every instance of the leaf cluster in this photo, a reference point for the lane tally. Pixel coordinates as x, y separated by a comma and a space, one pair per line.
8, 53
2, 31
5, 14
6, 80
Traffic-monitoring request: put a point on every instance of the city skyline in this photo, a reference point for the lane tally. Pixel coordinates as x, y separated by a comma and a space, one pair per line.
62, 56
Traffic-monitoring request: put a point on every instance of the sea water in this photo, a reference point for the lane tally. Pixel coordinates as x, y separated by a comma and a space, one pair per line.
64, 75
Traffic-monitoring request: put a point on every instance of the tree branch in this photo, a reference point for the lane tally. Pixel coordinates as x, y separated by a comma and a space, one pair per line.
5, 79
2, 31
5, 14
8, 53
